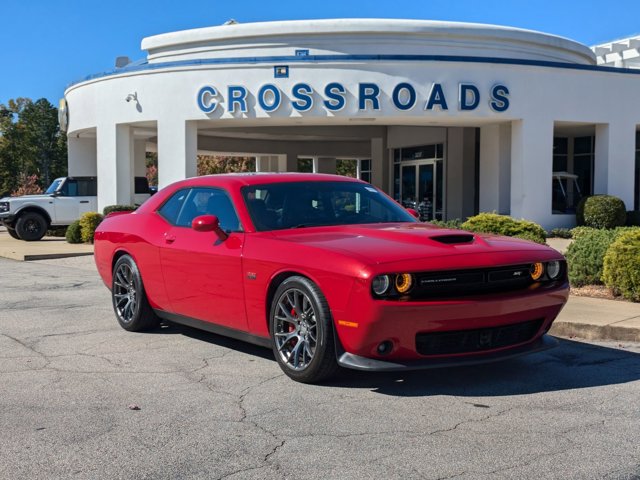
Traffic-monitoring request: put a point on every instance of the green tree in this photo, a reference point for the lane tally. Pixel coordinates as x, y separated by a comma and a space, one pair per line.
30, 143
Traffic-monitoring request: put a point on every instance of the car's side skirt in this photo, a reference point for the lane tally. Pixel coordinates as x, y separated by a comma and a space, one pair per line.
214, 328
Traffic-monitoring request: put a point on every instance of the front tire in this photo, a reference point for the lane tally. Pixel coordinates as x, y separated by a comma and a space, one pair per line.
302, 331
31, 226
129, 298
13, 233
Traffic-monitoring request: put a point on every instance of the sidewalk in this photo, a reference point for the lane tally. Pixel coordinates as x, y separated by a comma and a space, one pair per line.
47, 248
599, 319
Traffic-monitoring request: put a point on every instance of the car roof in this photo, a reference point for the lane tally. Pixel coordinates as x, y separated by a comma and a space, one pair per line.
260, 178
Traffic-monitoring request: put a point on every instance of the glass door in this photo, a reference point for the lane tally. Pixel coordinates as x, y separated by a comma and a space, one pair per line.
421, 188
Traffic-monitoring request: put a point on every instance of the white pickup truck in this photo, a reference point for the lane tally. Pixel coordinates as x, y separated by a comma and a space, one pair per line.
28, 217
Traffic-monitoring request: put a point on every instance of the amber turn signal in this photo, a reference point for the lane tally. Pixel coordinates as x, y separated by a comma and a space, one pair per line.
404, 282
537, 269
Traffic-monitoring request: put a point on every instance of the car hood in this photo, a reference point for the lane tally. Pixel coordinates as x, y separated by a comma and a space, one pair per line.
24, 198
394, 242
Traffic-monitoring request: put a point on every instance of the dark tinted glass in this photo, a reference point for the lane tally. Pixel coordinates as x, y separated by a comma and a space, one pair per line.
141, 185
87, 187
171, 208
208, 201
582, 145
306, 204
560, 145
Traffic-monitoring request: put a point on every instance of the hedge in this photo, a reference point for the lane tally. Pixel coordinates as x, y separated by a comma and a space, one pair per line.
633, 218
88, 223
117, 208
585, 255
622, 266
505, 225
73, 234
601, 211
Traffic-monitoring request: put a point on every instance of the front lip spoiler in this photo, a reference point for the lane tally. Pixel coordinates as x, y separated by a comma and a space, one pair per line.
357, 362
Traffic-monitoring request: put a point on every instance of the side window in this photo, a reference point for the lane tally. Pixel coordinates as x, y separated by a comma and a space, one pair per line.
172, 207
87, 187
70, 188
186, 205
219, 204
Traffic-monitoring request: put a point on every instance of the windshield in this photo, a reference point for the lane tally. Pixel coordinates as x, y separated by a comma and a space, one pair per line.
279, 206
54, 186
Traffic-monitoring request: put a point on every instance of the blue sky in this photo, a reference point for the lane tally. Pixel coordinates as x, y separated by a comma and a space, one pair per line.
47, 44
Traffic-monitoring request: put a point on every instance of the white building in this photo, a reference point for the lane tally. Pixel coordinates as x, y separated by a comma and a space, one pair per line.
466, 117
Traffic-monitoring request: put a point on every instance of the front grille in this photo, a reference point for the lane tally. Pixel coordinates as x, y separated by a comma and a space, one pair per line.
478, 340
471, 282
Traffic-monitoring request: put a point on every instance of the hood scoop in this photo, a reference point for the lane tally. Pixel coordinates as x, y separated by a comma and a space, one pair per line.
454, 239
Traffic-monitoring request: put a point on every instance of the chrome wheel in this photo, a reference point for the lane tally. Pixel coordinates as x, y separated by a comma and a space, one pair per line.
295, 329
124, 293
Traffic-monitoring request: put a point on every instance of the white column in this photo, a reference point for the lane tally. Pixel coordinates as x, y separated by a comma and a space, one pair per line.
379, 164
615, 152
495, 169
325, 165
531, 170
177, 150
140, 158
82, 157
115, 165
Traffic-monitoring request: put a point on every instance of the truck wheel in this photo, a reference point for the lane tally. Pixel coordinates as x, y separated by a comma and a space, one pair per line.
13, 233
31, 226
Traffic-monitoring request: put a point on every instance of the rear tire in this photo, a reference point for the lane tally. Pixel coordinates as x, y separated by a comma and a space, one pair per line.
31, 226
13, 233
301, 330
129, 298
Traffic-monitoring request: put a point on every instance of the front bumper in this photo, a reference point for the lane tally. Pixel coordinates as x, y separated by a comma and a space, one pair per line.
367, 323
357, 362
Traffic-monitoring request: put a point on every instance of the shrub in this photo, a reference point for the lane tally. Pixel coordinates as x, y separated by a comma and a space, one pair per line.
633, 218
601, 211
505, 225
117, 208
621, 272
88, 223
577, 231
585, 256
561, 233
73, 233
454, 223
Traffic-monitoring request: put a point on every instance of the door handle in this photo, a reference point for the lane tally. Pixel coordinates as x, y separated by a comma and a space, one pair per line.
169, 238
84, 201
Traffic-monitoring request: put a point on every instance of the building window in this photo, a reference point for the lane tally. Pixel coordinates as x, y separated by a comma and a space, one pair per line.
305, 165
583, 158
364, 170
573, 166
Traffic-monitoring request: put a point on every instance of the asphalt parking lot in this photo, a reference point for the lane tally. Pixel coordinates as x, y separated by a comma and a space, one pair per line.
82, 398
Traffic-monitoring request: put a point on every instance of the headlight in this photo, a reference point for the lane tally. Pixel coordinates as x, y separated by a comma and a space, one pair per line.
404, 282
380, 284
554, 269
4, 207
537, 270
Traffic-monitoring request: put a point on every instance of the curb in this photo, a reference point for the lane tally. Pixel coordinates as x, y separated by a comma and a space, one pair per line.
588, 331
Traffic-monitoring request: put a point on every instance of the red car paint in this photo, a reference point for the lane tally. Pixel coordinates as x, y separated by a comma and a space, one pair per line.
192, 274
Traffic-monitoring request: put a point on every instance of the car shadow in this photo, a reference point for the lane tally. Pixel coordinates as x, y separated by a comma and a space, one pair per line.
219, 340
571, 365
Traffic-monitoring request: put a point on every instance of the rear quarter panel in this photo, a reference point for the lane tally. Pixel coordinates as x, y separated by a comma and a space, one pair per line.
138, 235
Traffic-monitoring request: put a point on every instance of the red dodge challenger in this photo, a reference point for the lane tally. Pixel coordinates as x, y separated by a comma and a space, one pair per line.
327, 271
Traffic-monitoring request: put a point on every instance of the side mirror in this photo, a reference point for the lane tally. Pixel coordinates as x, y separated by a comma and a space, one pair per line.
413, 212
209, 223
